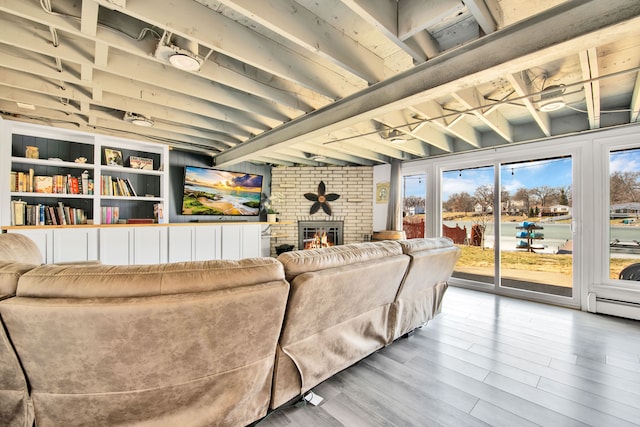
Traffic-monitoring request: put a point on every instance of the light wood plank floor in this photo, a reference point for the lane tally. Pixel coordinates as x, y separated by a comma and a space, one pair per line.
489, 360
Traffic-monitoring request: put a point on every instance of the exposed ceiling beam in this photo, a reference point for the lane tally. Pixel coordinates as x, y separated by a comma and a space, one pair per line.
635, 101
292, 21
436, 116
383, 15
474, 101
211, 29
523, 88
546, 36
589, 65
481, 13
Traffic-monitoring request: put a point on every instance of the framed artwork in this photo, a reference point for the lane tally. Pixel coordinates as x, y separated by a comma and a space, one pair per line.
113, 157
382, 192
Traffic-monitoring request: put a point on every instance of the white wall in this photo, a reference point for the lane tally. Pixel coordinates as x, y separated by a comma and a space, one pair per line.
381, 173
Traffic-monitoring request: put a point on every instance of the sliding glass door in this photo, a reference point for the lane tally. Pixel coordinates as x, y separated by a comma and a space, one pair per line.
536, 243
468, 219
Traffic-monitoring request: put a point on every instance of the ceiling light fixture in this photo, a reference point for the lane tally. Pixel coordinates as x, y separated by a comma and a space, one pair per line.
185, 60
396, 137
551, 98
179, 52
552, 106
26, 106
318, 158
138, 119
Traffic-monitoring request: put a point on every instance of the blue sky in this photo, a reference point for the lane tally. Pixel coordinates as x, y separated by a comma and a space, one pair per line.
625, 161
552, 173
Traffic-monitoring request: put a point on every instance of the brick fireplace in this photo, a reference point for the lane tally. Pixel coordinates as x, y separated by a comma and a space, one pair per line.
354, 207
314, 234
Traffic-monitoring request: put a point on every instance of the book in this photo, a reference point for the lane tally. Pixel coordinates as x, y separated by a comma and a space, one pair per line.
140, 221
43, 184
18, 212
61, 218
30, 182
140, 163
131, 189
74, 186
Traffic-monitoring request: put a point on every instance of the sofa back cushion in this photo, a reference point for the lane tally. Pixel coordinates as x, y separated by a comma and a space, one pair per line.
420, 296
338, 306
432, 261
177, 344
299, 262
116, 281
18, 247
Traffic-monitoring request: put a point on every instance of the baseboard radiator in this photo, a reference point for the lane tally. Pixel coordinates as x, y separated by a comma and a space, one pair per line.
613, 307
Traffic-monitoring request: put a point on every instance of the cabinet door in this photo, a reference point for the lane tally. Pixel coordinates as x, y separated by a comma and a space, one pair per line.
150, 245
181, 244
80, 244
251, 241
240, 241
43, 239
207, 243
231, 241
116, 246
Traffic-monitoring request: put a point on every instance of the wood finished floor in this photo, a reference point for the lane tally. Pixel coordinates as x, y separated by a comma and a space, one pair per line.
489, 360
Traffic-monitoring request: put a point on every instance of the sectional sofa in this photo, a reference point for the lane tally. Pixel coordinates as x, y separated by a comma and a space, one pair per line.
201, 343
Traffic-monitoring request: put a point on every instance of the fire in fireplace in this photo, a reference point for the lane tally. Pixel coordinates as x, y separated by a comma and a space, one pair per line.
319, 234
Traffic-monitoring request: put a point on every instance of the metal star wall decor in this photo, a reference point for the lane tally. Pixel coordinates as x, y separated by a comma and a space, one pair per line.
321, 200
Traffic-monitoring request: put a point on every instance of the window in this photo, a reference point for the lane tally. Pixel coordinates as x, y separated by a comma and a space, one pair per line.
414, 199
467, 218
624, 214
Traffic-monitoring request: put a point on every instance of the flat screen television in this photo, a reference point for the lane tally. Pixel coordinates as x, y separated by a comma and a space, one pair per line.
216, 192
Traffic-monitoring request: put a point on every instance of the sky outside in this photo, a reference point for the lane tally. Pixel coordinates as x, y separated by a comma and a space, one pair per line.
550, 173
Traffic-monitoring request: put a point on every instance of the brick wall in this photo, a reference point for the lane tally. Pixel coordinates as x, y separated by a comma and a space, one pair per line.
355, 205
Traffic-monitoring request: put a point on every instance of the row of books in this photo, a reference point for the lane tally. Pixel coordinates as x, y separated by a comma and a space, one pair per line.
110, 215
39, 214
114, 186
56, 184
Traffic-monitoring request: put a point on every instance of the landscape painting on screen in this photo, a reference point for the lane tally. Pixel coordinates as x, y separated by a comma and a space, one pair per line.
216, 192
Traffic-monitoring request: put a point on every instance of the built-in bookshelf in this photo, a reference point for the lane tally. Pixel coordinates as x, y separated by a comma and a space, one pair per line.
61, 177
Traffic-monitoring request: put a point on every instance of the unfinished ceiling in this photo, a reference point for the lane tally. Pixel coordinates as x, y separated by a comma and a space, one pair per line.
315, 82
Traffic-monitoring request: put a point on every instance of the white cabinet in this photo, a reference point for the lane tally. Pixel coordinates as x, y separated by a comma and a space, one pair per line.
133, 245
241, 241
157, 244
194, 243
75, 244
64, 244
149, 245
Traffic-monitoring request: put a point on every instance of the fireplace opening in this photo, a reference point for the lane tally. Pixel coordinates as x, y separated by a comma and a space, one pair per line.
319, 234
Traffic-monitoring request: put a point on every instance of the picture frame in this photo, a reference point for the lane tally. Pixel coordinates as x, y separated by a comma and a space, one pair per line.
144, 163
113, 157
382, 192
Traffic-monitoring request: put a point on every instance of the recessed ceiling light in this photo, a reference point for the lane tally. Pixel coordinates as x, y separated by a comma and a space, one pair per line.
397, 140
26, 106
185, 61
552, 106
138, 119
319, 158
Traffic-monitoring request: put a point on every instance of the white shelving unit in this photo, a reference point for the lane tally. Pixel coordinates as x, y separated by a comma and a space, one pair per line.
58, 148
